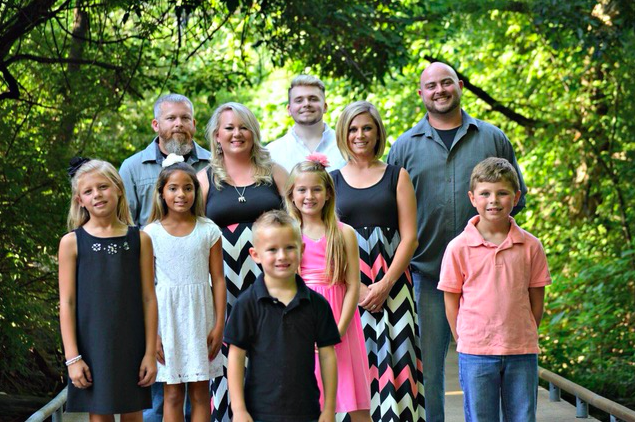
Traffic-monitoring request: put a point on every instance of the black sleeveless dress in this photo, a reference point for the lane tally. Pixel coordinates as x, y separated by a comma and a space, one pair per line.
235, 219
392, 335
110, 324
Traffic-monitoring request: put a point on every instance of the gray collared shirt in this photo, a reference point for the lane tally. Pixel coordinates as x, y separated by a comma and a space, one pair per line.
140, 172
441, 179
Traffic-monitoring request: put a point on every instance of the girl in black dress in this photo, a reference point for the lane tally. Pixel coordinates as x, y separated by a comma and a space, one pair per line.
108, 309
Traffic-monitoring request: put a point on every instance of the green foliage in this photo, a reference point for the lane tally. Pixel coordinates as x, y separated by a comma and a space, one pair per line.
81, 77
563, 66
589, 337
361, 40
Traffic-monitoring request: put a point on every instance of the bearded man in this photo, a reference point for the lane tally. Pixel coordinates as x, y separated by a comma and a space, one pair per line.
175, 126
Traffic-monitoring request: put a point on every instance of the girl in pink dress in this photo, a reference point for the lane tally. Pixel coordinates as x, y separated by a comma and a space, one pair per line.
330, 266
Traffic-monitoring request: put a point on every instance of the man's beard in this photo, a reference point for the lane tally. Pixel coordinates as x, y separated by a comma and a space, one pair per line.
453, 105
309, 121
174, 146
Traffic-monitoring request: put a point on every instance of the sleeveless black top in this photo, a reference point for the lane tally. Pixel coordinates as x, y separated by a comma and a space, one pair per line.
224, 209
110, 328
374, 206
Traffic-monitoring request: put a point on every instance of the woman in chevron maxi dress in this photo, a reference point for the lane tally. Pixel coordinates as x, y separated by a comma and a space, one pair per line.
240, 184
378, 201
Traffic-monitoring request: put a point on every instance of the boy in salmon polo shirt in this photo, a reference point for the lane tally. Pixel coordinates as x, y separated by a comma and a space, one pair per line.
493, 276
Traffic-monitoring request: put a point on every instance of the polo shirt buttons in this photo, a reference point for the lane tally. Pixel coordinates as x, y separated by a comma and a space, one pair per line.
498, 262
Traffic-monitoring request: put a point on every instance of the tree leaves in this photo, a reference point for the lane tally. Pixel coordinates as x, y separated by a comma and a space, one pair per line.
82, 76
555, 75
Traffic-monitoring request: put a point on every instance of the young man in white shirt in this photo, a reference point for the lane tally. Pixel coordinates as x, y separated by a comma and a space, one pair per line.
309, 134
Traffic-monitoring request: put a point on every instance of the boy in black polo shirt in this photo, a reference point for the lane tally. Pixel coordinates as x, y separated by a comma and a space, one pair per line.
277, 322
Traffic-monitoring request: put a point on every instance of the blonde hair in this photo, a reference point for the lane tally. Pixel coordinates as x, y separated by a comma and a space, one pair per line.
160, 208
493, 170
336, 262
344, 123
306, 80
276, 218
78, 215
260, 158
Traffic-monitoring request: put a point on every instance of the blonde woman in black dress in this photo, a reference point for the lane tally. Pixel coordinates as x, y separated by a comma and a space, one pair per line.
377, 200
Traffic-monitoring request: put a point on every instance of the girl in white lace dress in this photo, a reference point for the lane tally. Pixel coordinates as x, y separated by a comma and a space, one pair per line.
187, 250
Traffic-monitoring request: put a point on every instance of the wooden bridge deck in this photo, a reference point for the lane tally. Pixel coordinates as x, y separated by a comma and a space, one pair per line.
561, 411
547, 411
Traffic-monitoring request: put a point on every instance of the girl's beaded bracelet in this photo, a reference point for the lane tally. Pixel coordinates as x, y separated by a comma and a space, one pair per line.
73, 360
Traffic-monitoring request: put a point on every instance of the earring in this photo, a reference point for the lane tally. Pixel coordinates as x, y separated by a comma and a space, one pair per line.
219, 149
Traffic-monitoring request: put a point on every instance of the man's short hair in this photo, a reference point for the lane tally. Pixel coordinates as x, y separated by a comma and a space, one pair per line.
276, 218
493, 170
171, 98
306, 80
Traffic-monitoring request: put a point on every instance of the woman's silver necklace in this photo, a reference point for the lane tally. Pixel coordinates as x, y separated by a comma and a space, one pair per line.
241, 196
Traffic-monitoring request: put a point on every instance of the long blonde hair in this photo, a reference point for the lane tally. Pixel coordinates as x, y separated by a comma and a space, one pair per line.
78, 215
260, 158
160, 208
336, 263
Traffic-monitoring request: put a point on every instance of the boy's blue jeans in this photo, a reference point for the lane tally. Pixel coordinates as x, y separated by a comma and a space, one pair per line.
495, 384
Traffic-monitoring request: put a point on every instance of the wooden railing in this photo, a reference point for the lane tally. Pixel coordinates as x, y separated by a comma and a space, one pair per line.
584, 398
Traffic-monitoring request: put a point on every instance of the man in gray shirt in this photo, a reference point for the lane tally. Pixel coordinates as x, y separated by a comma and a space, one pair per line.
440, 153
175, 126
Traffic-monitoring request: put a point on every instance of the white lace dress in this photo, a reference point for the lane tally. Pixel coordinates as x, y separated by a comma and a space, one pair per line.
186, 306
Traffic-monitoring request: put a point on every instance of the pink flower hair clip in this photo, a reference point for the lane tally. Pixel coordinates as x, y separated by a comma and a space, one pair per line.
318, 158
